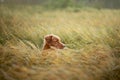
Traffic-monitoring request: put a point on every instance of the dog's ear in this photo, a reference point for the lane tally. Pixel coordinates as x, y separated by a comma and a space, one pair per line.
48, 38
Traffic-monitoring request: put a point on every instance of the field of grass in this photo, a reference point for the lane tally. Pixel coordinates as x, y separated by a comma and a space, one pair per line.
91, 35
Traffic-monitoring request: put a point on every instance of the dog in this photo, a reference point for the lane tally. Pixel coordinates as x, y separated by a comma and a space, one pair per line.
54, 41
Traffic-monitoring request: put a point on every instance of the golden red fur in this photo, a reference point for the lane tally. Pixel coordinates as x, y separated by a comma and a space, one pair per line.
52, 40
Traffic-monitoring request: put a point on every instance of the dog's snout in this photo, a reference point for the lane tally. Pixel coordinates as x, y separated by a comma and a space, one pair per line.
64, 45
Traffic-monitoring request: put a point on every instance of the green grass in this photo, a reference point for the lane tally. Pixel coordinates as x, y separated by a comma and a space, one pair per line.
92, 37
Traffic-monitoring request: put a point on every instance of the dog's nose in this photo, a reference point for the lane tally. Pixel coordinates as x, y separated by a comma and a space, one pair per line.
64, 46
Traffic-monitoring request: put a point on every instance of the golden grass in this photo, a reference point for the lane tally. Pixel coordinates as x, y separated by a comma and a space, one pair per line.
92, 37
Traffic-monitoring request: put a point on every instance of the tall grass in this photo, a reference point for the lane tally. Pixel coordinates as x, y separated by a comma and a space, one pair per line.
92, 37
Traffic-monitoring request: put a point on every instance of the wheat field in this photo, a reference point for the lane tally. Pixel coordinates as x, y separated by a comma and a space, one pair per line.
92, 37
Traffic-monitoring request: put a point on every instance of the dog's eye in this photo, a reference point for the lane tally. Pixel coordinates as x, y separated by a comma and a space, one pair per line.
55, 40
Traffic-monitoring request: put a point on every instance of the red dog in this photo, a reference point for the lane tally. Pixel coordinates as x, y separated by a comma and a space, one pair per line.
52, 40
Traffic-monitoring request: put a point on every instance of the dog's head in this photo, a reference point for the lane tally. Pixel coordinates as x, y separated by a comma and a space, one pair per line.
54, 41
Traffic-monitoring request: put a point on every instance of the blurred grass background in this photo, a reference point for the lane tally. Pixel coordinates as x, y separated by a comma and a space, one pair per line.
89, 28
